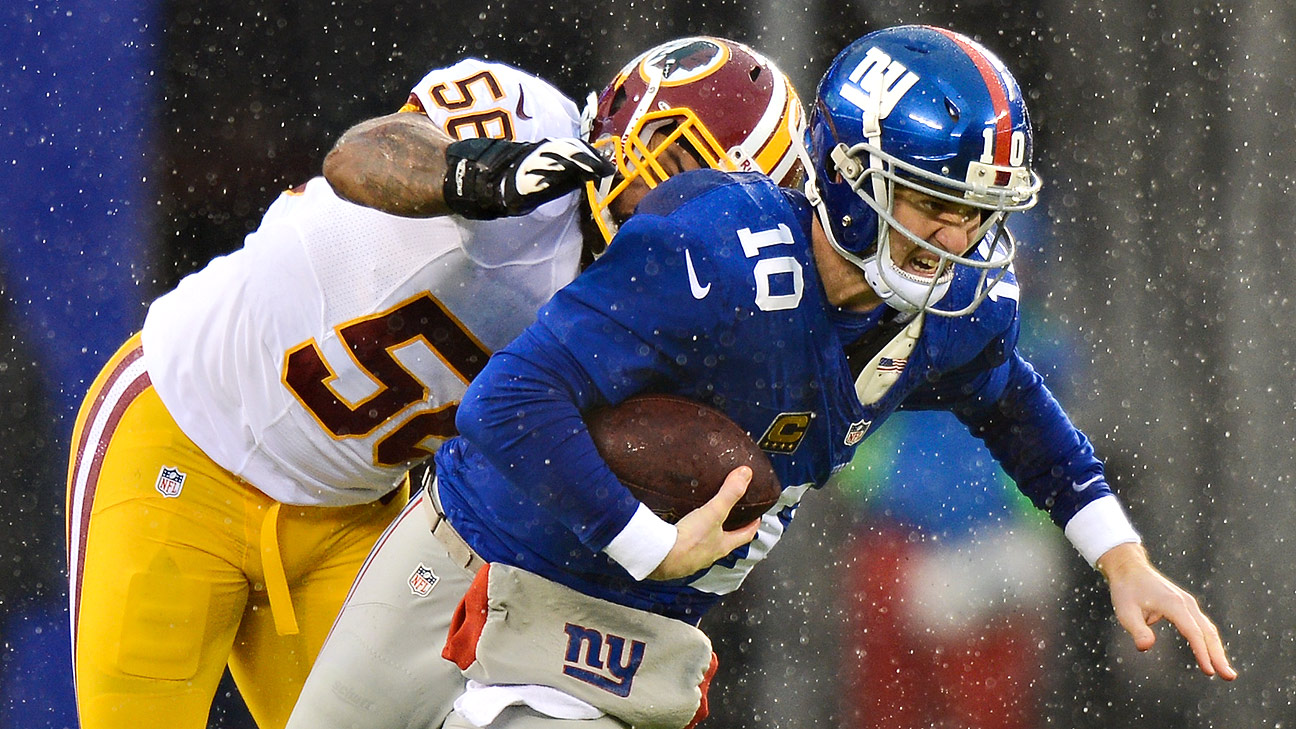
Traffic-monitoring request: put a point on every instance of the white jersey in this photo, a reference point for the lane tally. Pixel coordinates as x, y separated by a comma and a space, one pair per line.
326, 356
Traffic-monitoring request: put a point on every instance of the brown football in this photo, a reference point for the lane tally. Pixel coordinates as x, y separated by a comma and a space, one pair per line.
674, 453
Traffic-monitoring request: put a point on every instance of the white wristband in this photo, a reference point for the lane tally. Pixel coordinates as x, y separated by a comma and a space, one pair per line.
643, 543
1098, 527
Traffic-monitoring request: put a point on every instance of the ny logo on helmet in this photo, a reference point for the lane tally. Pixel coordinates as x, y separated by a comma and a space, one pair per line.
879, 83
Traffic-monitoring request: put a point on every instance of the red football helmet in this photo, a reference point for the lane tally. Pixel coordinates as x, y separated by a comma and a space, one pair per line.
728, 105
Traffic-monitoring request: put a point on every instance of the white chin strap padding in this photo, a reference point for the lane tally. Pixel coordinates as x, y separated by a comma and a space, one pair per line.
898, 289
872, 123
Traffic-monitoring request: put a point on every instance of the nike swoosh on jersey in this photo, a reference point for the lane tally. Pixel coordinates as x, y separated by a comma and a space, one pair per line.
699, 291
1082, 486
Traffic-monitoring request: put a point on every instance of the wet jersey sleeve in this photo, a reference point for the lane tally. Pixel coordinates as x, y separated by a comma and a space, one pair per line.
628, 324
1004, 402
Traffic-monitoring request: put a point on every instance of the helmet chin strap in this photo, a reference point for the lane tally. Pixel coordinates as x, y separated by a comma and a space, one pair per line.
898, 289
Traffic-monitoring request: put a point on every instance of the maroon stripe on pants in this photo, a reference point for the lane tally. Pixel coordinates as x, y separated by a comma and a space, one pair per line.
97, 451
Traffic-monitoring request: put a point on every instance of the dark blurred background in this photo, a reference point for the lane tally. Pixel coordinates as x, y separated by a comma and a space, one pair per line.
139, 139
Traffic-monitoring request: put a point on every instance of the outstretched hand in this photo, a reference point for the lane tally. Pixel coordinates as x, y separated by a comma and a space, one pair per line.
701, 536
1142, 596
494, 178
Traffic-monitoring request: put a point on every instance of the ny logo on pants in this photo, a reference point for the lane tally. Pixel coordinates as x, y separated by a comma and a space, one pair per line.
611, 670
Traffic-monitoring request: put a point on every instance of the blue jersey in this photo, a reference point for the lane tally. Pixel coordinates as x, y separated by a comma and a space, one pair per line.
710, 292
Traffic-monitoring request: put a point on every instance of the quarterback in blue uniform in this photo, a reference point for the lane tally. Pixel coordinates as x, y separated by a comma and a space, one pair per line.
789, 317
807, 319
685, 302
731, 291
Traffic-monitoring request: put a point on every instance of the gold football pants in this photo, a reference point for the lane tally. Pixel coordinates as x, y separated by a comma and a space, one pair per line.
178, 568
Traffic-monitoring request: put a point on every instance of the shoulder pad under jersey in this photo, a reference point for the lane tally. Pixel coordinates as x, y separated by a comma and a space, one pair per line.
475, 98
750, 187
667, 197
1000, 307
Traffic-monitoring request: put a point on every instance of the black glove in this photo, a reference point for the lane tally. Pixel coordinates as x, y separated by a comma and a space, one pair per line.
492, 178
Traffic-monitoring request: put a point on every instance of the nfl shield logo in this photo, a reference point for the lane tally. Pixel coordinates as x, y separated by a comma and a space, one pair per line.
422, 581
856, 432
170, 481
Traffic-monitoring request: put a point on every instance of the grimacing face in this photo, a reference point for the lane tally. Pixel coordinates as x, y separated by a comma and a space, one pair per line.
943, 223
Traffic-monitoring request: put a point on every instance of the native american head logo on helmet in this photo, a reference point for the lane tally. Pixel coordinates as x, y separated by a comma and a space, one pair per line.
700, 55
728, 106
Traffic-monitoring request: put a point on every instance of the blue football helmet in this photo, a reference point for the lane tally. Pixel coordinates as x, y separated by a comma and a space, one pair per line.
934, 111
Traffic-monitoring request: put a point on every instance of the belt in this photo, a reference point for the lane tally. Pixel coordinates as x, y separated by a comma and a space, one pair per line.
276, 580
462, 554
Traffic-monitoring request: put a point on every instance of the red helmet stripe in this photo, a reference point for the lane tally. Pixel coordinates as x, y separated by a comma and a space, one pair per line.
998, 95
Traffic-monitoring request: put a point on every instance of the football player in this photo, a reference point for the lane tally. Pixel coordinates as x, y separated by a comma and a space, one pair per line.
234, 463
691, 103
808, 320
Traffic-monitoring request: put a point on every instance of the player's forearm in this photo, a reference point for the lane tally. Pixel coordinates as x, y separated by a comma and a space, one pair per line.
395, 163
526, 421
1031, 437
1051, 461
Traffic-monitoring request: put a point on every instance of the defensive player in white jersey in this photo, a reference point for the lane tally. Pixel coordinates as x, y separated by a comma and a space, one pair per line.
234, 462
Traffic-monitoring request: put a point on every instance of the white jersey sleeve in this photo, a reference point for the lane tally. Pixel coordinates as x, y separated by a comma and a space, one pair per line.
328, 354
474, 98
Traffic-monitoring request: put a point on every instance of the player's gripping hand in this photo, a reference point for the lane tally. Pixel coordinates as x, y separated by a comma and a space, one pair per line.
700, 535
494, 178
